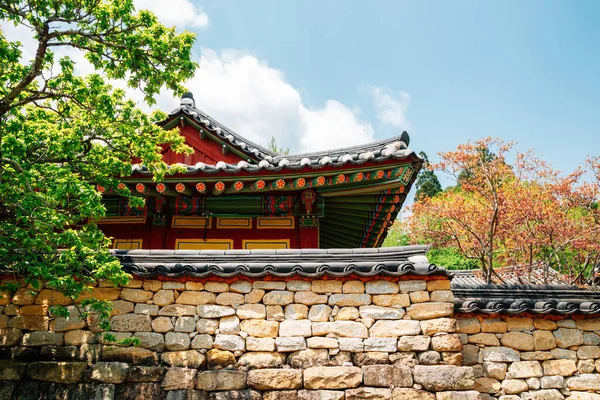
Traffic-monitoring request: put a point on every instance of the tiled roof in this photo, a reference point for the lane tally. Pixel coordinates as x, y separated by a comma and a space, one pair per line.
472, 295
515, 275
395, 148
310, 263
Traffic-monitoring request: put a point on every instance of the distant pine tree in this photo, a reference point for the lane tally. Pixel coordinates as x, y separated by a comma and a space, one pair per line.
427, 184
280, 151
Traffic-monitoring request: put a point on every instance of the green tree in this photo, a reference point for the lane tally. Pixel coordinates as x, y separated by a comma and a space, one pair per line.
427, 183
62, 134
280, 151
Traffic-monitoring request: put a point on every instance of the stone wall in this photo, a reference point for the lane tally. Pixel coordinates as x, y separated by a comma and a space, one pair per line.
240, 339
532, 357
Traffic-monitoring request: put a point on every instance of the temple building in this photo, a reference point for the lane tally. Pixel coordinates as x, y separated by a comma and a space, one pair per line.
239, 195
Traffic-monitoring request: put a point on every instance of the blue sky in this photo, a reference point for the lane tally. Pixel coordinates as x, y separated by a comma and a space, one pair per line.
322, 74
521, 70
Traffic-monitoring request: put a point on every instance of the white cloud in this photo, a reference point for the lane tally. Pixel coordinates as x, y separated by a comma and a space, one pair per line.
181, 13
254, 99
333, 126
250, 97
390, 110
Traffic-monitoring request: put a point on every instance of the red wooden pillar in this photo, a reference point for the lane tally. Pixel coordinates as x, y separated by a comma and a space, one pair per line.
309, 232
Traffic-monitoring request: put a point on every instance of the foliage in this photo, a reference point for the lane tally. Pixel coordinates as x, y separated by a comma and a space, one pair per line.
280, 151
519, 214
451, 258
427, 184
62, 134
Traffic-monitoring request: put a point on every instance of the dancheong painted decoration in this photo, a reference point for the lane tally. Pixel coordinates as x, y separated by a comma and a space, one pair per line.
236, 194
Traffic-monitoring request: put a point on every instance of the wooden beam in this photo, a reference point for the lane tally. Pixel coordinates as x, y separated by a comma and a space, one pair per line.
182, 188
166, 190
201, 187
218, 188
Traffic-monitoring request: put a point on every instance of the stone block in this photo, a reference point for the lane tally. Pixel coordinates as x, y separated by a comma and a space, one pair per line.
260, 328
498, 354
230, 342
110, 372
176, 341
216, 359
518, 341
254, 296
368, 393
543, 340
243, 287
236, 395
60, 372
196, 298
353, 287
275, 313
152, 285
332, 377
251, 311
269, 285
487, 385
446, 343
145, 374
309, 298
494, 325
185, 324
468, 325
413, 343
164, 297
519, 324
442, 295
177, 310
430, 310
444, 377
278, 298
11, 370
486, 339
200, 286
525, 369
259, 344
566, 338
298, 286
411, 394
130, 355
588, 352
296, 311
346, 314
584, 382
340, 329
42, 338
287, 344
391, 328
391, 300
295, 328
322, 343
330, 286
208, 326
202, 341
162, 325
183, 359
151, 340
308, 358
378, 312
349, 300
229, 325
215, 311
370, 358
549, 394
55, 298
216, 287
275, 379
136, 295
179, 378
221, 380
29, 322
421, 296
389, 345
262, 359
230, 299
354, 345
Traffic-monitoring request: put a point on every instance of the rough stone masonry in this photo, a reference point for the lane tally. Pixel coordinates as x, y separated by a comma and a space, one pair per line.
375, 338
